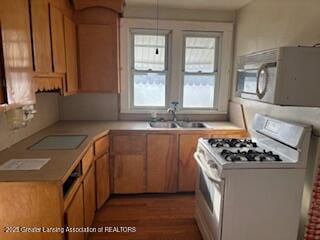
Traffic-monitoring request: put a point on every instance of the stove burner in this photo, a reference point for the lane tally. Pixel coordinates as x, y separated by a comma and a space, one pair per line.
250, 156
232, 142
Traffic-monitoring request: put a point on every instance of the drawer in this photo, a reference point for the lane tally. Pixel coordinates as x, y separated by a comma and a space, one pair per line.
129, 144
101, 146
87, 160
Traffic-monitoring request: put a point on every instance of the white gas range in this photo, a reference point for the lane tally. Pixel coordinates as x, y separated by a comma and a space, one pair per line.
251, 189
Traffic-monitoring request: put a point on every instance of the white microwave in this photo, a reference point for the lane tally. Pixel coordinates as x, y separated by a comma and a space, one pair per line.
288, 76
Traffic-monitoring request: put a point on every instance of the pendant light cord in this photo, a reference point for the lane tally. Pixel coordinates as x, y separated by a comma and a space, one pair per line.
157, 20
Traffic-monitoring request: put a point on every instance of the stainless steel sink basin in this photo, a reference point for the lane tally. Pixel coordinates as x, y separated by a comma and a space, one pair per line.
192, 125
163, 125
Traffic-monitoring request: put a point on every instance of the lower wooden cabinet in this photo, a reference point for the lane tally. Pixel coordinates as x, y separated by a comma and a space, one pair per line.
162, 163
187, 164
102, 179
129, 173
75, 215
89, 199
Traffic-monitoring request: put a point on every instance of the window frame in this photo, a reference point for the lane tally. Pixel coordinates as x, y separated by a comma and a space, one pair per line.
216, 70
174, 83
166, 71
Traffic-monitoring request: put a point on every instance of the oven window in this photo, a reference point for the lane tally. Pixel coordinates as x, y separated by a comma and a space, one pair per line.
204, 182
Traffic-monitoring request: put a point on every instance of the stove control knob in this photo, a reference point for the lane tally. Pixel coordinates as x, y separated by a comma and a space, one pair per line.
212, 164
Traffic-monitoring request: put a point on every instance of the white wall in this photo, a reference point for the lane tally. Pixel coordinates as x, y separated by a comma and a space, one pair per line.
265, 24
47, 114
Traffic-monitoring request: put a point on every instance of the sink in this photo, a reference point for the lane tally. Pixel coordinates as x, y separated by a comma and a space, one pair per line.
192, 125
163, 125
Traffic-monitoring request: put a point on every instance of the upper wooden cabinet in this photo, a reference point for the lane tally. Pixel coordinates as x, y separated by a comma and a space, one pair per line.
54, 46
41, 36
57, 40
98, 39
71, 84
17, 53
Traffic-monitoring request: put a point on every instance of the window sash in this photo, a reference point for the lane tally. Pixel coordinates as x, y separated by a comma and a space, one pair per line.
134, 71
215, 72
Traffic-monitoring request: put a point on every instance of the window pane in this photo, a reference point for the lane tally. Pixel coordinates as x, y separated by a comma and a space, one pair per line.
145, 57
200, 54
198, 91
149, 89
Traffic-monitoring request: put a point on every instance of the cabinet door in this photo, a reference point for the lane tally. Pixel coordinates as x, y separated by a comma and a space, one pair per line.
57, 40
71, 56
41, 36
162, 163
187, 164
17, 53
89, 200
102, 179
95, 77
129, 174
75, 216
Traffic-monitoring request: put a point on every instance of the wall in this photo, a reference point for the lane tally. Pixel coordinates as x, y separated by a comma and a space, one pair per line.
265, 24
47, 114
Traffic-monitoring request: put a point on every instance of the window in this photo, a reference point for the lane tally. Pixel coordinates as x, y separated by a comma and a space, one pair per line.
149, 70
200, 70
193, 66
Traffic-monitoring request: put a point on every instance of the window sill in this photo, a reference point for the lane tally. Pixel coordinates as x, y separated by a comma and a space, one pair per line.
179, 112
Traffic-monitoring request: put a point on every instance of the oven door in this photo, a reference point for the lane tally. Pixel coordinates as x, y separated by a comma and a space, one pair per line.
209, 201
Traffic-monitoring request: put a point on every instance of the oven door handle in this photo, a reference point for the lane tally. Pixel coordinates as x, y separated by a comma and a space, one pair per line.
208, 174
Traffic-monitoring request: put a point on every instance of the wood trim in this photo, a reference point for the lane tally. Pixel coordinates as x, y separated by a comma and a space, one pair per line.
115, 5
48, 82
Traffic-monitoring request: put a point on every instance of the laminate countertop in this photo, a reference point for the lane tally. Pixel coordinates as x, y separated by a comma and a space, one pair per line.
62, 160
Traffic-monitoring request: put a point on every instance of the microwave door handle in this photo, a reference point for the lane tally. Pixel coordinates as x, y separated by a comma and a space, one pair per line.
208, 174
262, 69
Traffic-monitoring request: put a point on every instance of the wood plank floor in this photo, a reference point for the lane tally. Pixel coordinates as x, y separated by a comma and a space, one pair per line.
155, 217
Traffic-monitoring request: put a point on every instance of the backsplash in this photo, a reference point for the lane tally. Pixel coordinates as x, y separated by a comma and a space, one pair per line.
47, 113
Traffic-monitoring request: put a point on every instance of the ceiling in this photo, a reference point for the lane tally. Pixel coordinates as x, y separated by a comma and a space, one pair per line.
192, 4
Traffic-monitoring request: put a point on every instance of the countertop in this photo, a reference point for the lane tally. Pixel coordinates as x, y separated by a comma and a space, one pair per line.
62, 160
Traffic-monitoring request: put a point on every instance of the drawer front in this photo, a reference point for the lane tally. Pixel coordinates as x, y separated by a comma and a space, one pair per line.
87, 160
129, 144
101, 146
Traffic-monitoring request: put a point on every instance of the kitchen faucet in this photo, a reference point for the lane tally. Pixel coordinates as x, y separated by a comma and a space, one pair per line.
173, 110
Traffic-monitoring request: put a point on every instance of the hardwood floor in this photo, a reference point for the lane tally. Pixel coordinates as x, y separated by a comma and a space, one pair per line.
155, 217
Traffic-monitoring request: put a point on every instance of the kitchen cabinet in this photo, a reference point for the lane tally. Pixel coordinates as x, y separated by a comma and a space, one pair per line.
75, 215
129, 173
187, 164
129, 163
17, 53
71, 84
54, 47
98, 66
102, 179
57, 40
162, 163
41, 36
89, 193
